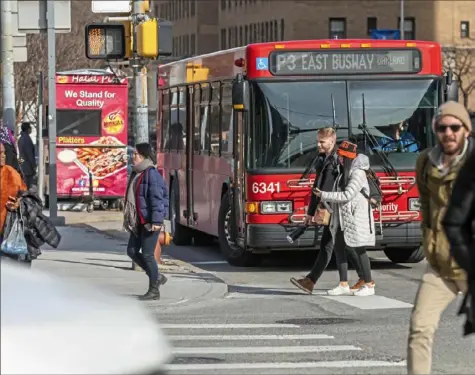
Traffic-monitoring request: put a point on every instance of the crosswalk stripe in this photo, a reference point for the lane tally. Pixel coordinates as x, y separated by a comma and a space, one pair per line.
224, 326
264, 349
282, 365
249, 337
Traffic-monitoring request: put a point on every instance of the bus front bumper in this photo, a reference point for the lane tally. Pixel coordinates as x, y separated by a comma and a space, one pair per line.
274, 237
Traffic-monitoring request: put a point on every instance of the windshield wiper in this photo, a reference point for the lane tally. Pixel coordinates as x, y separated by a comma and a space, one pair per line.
387, 165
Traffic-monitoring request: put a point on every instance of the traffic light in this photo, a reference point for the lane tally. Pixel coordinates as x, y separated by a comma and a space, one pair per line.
129, 39
105, 41
196, 73
145, 6
147, 39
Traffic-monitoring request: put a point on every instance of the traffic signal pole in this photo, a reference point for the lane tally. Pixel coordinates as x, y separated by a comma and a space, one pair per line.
140, 79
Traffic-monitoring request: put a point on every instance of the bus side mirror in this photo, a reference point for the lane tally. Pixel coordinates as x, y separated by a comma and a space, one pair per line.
240, 94
451, 87
453, 91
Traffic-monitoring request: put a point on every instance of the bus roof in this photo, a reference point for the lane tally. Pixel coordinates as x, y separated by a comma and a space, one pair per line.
222, 64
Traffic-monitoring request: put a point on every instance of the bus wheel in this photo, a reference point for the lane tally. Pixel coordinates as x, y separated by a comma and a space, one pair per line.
182, 236
405, 255
235, 255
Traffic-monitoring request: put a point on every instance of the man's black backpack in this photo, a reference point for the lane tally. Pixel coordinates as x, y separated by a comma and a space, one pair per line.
374, 198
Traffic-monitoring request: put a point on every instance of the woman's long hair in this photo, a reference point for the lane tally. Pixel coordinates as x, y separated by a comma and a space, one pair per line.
11, 158
345, 171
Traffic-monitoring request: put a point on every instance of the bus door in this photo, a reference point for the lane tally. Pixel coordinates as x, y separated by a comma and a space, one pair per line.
238, 196
191, 216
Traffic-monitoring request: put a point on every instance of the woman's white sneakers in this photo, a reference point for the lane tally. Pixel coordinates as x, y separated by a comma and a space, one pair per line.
341, 290
364, 291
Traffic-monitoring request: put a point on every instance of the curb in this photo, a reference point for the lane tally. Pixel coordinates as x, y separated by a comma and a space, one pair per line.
218, 287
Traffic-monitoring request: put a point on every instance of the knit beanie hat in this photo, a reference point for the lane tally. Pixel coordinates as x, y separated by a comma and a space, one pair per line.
453, 109
347, 149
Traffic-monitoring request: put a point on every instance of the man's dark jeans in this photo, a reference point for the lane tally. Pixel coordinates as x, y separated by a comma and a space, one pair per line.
141, 249
325, 255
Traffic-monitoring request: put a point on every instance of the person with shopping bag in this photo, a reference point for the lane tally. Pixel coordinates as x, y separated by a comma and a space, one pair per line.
11, 186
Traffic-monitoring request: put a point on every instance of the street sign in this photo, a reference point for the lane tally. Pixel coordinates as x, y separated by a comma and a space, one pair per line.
385, 34
32, 16
111, 6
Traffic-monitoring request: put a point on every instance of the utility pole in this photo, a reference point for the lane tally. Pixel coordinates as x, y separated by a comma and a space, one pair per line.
8, 86
53, 172
140, 78
39, 140
401, 21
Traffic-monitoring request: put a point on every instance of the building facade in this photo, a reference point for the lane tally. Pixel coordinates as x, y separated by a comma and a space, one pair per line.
205, 26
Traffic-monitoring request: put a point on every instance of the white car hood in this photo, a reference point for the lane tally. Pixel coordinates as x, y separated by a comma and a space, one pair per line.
53, 326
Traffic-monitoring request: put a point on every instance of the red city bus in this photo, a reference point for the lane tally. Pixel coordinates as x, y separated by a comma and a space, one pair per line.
237, 137
91, 136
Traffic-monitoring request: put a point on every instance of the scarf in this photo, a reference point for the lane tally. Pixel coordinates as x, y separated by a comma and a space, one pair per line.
6, 136
131, 221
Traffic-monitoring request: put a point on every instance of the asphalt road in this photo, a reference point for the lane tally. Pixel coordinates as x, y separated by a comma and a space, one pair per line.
264, 325
302, 334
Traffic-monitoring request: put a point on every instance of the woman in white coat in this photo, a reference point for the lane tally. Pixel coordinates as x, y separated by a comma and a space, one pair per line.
352, 222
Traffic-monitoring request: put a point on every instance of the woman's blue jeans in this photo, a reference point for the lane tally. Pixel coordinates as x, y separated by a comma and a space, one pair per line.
141, 249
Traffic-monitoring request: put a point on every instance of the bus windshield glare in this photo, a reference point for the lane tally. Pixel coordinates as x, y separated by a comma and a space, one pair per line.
287, 115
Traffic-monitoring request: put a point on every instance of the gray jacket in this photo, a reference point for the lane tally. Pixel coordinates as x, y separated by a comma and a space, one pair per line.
350, 207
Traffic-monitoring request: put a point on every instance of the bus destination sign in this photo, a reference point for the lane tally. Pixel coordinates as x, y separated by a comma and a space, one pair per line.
335, 62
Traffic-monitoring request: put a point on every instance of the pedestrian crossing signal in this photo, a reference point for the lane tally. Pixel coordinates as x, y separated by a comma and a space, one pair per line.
105, 41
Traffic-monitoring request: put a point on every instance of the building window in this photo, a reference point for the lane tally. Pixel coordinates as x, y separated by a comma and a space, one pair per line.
193, 44
246, 34
337, 28
192, 7
464, 29
254, 32
372, 24
241, 37
282, 29
409, 27
187, 8
229, 38
223, 38
271, 31
261, 33
266, 33
223, 4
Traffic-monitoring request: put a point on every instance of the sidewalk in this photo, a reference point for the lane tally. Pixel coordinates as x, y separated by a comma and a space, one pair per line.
87, 255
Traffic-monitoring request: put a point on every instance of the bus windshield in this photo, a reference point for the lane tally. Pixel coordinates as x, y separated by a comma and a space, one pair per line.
286, 116
398, 113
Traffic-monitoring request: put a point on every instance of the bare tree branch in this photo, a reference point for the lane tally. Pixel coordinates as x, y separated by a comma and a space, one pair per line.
460, 59
70, 54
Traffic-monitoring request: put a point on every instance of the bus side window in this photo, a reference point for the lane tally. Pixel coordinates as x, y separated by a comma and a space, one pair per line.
204, 115
165, 125
197, 119
214, 123
226, 118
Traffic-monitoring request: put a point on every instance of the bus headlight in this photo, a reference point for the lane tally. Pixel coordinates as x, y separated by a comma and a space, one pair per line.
276, 207
413, 204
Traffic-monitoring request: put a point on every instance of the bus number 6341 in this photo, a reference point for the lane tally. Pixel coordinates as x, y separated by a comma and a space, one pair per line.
262, 187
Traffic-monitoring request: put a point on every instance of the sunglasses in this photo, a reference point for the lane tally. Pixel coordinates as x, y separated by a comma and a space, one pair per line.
454, 127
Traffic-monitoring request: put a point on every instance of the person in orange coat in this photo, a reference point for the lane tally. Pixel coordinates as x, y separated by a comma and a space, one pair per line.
11, 182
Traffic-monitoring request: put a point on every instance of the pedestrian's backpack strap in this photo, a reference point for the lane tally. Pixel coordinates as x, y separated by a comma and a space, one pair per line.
374, 198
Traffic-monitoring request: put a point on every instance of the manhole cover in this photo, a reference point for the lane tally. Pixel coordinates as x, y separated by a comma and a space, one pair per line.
195, 360
317, 321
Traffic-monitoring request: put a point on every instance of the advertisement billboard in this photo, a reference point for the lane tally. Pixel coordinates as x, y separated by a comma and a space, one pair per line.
91, 135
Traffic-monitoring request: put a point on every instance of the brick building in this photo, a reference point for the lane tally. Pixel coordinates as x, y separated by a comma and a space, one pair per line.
209, 25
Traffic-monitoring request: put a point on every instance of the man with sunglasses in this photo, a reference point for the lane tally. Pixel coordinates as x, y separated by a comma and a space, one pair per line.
436, 170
